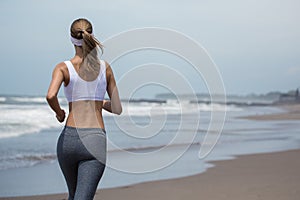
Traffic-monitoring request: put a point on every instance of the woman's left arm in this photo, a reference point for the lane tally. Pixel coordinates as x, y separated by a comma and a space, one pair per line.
57, 80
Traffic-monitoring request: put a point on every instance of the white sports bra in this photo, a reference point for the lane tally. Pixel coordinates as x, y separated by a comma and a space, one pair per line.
79, 89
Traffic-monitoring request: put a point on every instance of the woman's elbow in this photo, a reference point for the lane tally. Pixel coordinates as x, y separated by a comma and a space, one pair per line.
118, 111
50, 97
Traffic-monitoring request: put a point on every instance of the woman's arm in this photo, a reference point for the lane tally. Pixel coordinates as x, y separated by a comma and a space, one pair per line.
57, 79
114, 105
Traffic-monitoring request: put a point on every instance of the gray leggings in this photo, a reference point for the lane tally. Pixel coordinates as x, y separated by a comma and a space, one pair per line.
81, 154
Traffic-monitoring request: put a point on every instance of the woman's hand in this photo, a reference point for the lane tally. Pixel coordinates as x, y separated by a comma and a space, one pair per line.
107, 105
61, 116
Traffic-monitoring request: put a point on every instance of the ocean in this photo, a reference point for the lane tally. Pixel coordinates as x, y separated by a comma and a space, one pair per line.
139, 141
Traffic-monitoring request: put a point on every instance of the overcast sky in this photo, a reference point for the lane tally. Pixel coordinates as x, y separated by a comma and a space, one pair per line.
255, 44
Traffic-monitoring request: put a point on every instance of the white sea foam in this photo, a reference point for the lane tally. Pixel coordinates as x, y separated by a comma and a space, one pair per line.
34, 116
17, 120
24, 159
173, 107
29, 99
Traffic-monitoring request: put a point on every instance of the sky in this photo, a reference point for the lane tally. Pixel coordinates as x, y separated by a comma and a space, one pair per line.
254, 44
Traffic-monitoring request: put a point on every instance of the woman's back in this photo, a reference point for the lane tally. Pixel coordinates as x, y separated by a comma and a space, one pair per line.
85, 92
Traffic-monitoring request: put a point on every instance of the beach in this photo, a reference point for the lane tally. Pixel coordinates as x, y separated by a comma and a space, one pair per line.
209, 92
263, 176
266, 176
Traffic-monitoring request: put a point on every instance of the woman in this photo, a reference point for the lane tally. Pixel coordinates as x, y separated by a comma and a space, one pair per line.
81, 147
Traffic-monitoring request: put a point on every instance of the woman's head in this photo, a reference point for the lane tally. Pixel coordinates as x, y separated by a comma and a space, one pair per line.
80, 25
82, 36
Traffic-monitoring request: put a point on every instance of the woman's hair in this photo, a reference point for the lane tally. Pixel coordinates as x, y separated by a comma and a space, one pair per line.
82, 29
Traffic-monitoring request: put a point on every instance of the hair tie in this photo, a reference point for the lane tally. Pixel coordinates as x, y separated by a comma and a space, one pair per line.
77, 42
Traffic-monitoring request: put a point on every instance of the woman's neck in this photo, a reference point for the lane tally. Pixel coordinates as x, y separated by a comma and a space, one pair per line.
78, 52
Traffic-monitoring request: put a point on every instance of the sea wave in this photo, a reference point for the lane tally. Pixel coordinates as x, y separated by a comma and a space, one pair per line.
27, 115
16, 120
27, 100
25, 160
174, 107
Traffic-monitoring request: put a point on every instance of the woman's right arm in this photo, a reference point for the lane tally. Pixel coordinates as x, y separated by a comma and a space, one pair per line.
57, 80
114, 105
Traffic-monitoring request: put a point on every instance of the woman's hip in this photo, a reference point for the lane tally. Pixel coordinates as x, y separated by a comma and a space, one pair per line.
82, 143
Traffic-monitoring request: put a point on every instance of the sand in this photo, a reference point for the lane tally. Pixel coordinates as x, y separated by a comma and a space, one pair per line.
271, 176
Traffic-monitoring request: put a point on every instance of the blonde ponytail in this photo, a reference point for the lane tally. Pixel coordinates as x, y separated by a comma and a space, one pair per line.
82, 29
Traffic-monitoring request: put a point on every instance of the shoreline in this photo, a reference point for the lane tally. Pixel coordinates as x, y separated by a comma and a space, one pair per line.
266, 176
290, 112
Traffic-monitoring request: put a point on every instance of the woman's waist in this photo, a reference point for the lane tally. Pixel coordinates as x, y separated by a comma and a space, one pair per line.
85, 124
87, 114
82, 131
84, 120
84, 104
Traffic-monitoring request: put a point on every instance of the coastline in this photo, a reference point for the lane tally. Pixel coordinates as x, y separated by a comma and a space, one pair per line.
265, 176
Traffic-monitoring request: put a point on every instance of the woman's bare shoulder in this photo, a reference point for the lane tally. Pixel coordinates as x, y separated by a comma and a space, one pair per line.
61, 66
108, 67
